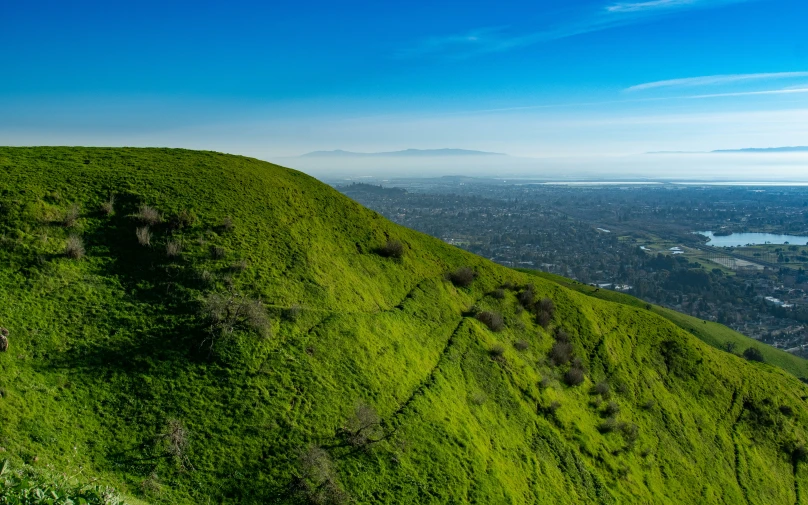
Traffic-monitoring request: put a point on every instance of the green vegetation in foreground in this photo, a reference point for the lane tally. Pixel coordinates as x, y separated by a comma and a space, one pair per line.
266, 340
27, 484
714, 334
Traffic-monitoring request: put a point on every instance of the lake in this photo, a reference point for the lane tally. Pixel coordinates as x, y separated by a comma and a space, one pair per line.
741, 239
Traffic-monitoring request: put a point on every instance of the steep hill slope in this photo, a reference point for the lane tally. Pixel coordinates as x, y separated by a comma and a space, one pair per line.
266, 340
714, 334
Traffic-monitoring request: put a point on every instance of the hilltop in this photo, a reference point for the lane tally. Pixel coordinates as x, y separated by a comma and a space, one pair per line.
193, 327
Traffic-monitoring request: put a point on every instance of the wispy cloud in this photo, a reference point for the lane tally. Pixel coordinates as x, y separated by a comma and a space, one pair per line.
651, 5
778, 91
497, 39
713, 80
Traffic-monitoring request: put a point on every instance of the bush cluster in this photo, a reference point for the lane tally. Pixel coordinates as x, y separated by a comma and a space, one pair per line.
148, 215
497, 351
363, 428
493, 320
319, 482
754, 354
543, 310
231, 311
74, 247
575, 375
392, 249
71, 217
462, 277
108, 207
143, 235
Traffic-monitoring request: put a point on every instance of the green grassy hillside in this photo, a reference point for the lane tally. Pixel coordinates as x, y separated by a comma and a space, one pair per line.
266, 340
714, 334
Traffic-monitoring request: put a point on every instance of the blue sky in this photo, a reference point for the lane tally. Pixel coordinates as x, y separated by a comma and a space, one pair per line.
546, 78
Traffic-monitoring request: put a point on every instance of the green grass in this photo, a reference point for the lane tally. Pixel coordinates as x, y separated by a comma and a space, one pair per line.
714, 334
114, 377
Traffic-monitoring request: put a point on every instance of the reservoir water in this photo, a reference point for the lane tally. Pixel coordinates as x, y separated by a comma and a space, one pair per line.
741, 239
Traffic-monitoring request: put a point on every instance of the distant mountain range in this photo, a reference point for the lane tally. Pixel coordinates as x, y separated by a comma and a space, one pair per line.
415, 153
794, 149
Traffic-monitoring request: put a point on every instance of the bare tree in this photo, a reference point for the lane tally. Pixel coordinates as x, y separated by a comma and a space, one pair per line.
175, 439
319, 481
364, 427
227, 312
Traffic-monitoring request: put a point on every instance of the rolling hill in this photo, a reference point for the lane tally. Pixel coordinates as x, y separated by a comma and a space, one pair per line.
193, 327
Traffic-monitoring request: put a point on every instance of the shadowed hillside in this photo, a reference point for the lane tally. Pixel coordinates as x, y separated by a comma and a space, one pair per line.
192, 327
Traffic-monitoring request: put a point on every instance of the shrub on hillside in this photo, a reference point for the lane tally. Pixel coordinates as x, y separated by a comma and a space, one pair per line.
521, 345
630, 432
108, 207
608, 425
392, 249
754, 354
499, 294
462, 277
552, 408
526, 296
239, 266
228, 224
497, 351
143, 235
364, 427
799, 452
318, 481
547, 305
74, 247
231, 311
545, 311
491, 319
173, 248
148, 215
217, 252
561, 335
602, 389
183, 219
561, 353
543, 319
3, 342
612, 409
574, 376
175, 442
71, 217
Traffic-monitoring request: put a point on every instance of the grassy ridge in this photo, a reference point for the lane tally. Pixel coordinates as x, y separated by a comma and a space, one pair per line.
714, 334
357, 376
